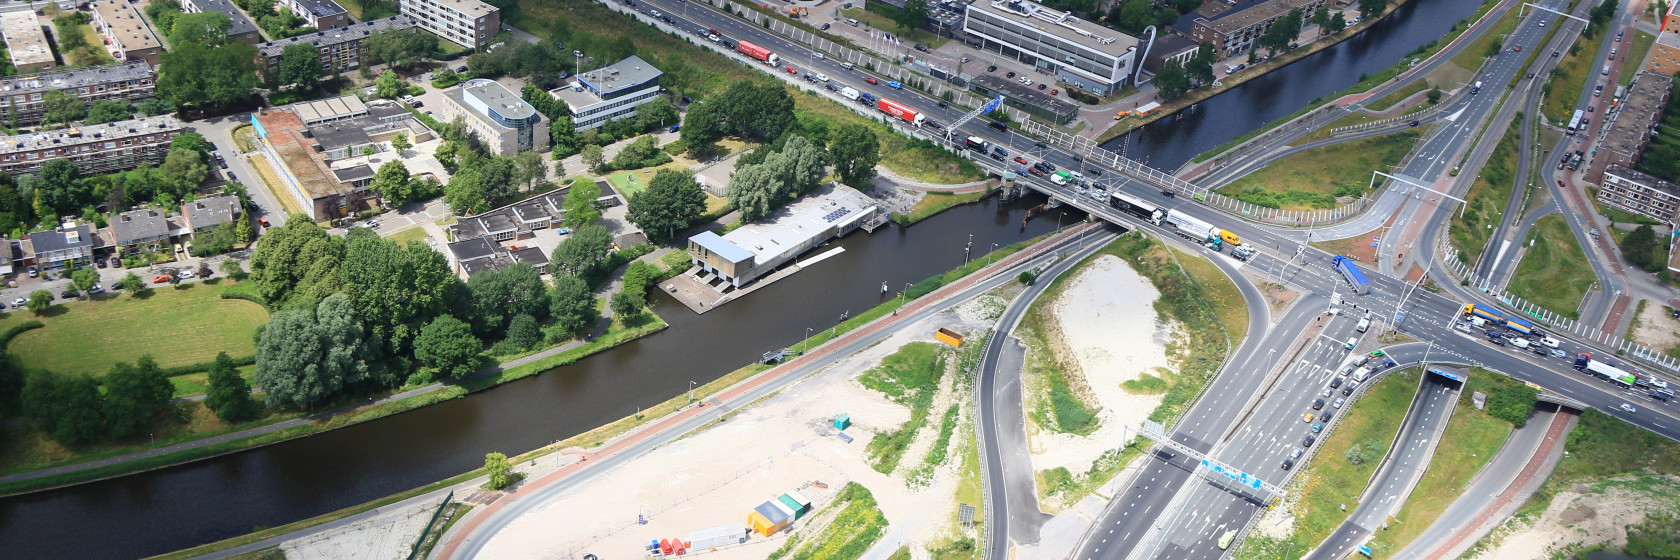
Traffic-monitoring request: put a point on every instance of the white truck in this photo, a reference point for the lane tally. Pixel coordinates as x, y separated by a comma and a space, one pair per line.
849, 93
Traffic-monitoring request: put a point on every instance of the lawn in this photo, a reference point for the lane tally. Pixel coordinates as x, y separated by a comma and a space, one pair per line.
177, 326
97, 55
1473, 54
197, 383
1554, 272
936, 202
633, 182
1563, 85
1633, 55
882, 22
1398, 96
1315, 178
1487, 198
1471, 438
415, 233
1219, 293
1332, 481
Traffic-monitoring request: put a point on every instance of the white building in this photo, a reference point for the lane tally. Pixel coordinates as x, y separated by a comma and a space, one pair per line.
1079, 53
504, 122
611, 93
756, 249
469, 23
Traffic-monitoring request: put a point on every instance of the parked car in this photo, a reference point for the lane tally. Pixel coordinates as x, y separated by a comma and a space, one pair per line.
20, 302
160, 279
96, 289
263, 221
68, 293
33, 272
1020, 160
824, 27
185, 274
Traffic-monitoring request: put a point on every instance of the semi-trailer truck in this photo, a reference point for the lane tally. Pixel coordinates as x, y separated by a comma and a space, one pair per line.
1192, 228
1610, 372
891, 107
762, 54
1353, 275
1136, 207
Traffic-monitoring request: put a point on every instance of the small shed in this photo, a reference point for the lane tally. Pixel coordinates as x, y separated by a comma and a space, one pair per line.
786, 509
771, 517
792, 504
720, 536
842, 421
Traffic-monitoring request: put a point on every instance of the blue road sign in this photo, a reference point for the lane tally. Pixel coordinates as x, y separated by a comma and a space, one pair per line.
1255, 484
992, 105
1366, 550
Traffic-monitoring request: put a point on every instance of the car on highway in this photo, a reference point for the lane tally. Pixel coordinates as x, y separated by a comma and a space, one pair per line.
1169, 194
1348, 390
822, 76
1036, 172
871, 81
1318, 404
1338, 403
1324, 416
1020, 160
791, 70
1628, 408
894, 84
832, 87
1288, 464
1560, 354
1517, 48
1542, 24
1308, 441
1317, 428
1352, 342
1326, 392
1415, 122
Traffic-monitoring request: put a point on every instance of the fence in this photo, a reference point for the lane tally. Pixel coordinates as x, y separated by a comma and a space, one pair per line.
1557, 322
413, 550
1340, 130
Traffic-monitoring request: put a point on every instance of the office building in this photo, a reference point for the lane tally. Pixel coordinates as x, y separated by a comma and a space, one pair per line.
469, 23
756, 249
98, 148
242, 30
1631, 124
23, 98
1078, 53
1234, 31
26, 43
505, 123
306, 177
319, 150
1635, 191
607, 94
126, 35
343, 48
324, 15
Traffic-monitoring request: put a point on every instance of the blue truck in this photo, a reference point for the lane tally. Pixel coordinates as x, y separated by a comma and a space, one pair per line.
1353, 275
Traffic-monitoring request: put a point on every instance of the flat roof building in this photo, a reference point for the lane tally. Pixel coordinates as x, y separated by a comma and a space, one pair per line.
758, 248
345, 47
328, 110
603, 95
23, 98
469, 23
1630, 125
1638, 192
507, 124
306, 176
1236, 30
97, 148
1665, 53
242, 30
320, 14
317, 148
1169, 47
1080, 54
1025, 98
126, 35
26, 43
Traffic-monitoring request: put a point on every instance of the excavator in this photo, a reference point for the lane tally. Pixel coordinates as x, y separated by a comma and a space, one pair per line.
796, 11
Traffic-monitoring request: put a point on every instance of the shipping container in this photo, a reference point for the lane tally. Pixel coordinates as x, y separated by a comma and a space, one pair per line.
949, 336
801, 497
716, 537
792, 504
786, 511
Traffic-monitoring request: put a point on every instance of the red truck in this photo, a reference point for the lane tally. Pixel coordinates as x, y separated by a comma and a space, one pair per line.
762, 54
890, 107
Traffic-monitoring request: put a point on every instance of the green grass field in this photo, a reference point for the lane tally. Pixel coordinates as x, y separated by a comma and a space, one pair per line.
1634, 54
415, 233
1471, 57
633, 182
176, 326
1554, 272
1563, 86
1314, 178
936, 202
1487, 198
1398, 96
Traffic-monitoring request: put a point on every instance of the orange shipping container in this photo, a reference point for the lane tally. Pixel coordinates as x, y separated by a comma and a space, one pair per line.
760, 525
949, 336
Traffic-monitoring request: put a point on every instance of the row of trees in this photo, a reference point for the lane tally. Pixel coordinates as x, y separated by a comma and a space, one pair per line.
567, 141
482, 181
60, 190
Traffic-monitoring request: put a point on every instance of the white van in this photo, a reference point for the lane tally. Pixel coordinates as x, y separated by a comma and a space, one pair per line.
1549, 342
1361, 373
1519, 342
1364, 325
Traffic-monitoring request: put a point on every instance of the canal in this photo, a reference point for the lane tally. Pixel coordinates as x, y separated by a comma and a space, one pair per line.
1169, 143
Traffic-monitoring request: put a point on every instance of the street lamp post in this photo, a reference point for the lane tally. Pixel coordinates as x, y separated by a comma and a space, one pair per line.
968, 248
807, 343
690, 392
989, 254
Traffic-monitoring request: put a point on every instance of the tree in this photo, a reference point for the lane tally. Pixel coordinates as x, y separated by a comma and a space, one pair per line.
593, 157
84, 278
109, 111
912, 15
701, 129
580, 205
395, 289
39, 301
523, 332
1321, 16
300, 67
400, 143
59, 188
69, 407
196, 74
1200, 67
1434, 95
134, 395
183, 171
531, 168
466, 192
297, 261
1132, 15
243, 231
1338, 23
1172, 81
62, 108
656, 113
1283, 31
231, 268
499, 295
1372, 8
391, 182
1641, 248
583, 253
754, 190
447, 344
228, 395
499, 469
208, 28
672, 201
132, 283
155, 106
627, 305
305, 358
855, 150
390, 85
571, 304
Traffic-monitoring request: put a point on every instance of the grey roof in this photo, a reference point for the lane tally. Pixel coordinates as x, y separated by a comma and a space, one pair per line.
532, 256
386, 109
721, 247
25, 41
357, 173
321, 8
331, 109
60, 239
625, 74
212, 211
467, 228
1025, 94
472, 249
134, 225
86, 134
342, 134
496, 96
241, 24
68, 79
352, 32
1165, 46
493, 263
530, 211
497, 222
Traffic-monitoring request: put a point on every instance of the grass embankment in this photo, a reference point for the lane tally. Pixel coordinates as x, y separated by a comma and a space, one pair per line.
191, 323
1471, 438
1564, 83
1054, 393
1634, 55
705, 71
883, 21
1414, 88
1344, 463
908, 377
415, 233
853, 523
1554, 272
1487, 197
936, 202
1315, 178
1489, 43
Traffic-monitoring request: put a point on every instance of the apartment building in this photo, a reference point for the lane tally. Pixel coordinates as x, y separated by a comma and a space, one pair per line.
1234, 31
320, 14
344, 47
243, 29
126, 35
1631, 124
26, 43
469, 23
23, 98
607, 94
1078, 53
507, 124
99, 148
1635, 191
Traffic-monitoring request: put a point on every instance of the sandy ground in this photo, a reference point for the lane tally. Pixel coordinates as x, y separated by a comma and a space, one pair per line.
1587, 516
1107, 319
716, 476
1278, 297
387, 537
1656, 328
